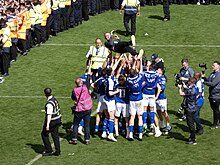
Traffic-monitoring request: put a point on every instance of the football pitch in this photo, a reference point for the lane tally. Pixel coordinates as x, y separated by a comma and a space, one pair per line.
193, 32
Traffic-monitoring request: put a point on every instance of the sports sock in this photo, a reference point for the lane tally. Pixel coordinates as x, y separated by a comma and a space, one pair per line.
105, 122
140, 129
152, 115
111, 125
131, 128
144, 117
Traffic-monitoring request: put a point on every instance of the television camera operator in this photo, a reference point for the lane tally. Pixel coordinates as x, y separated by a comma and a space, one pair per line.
184, 75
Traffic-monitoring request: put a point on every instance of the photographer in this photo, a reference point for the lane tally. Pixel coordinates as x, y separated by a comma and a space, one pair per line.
191, 106
214, 92
185, 73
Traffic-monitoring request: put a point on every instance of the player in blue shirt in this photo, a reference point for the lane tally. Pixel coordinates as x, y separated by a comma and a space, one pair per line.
149, 98
200, 102
122, 104
135, 81
99, 85
109, 99
161, 102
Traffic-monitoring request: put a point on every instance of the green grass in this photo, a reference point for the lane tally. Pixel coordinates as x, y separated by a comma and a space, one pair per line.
58, 66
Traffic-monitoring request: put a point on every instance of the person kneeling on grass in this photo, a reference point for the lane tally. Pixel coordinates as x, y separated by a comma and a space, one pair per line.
191, 107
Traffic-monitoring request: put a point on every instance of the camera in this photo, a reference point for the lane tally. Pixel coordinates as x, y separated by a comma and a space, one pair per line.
178, 81
203, 66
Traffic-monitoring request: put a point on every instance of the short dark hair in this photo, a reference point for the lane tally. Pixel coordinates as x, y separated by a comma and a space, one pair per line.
184, 60
217, 62
192, 80
48, 91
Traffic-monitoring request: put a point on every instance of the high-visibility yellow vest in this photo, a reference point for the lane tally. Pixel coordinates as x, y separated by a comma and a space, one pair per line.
13, 25
44, 13
49, 10
68, 3
36, 15
62, 3
55, 4
6, 40
28, 19
98, 56
22, 27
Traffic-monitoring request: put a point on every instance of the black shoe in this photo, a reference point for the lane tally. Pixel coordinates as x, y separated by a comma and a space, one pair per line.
213, 126
191, 142
6, 74
47, 153
56, 154
74, 142
127, 33
199, 132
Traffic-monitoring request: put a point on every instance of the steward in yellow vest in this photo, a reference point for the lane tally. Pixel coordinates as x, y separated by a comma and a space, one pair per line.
5, 41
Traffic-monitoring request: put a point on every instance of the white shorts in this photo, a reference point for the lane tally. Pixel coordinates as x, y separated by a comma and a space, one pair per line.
136, 107
110, 105
161, 105
149, 100
101, 104
122, 109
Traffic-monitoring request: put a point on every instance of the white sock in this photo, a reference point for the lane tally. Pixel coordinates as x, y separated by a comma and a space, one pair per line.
116, 129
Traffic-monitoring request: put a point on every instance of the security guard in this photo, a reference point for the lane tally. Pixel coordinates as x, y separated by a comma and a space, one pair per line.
51, 124
97, 54
131, 9
5, 43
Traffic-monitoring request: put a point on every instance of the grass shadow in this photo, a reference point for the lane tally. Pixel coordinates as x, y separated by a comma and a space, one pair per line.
177, 136
205, 122
184, 128
38, 148
121, 32
155, 17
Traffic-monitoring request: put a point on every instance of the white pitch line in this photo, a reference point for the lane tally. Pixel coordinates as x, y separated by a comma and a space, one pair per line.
40, 155
187, 46
33, 97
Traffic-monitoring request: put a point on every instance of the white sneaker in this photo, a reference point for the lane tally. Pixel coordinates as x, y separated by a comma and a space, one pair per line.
104, 135
140, 137
117, 134
141, 52
131, 136
80, 132
168, 129
158, 134
198, 3
133, 40
111, 137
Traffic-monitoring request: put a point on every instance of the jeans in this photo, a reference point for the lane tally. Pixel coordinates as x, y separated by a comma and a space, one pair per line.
190, 122
197, 119
78, 116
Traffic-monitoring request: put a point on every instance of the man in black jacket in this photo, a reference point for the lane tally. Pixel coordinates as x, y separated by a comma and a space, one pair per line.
214, 92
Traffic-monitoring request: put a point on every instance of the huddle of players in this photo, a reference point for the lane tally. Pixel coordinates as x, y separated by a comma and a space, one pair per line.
130, 87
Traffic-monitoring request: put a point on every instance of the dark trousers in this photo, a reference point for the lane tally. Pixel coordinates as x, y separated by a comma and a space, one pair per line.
56, 21
37, 34
85, 13
43, 34
78, 12
166, 9
214, 103
124, 47
78, 116
13, 51
127, 18
63, 19
71, 16
68, 11
5, 62
197, 119
54, 133
29, 39
190, 122
22, 45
